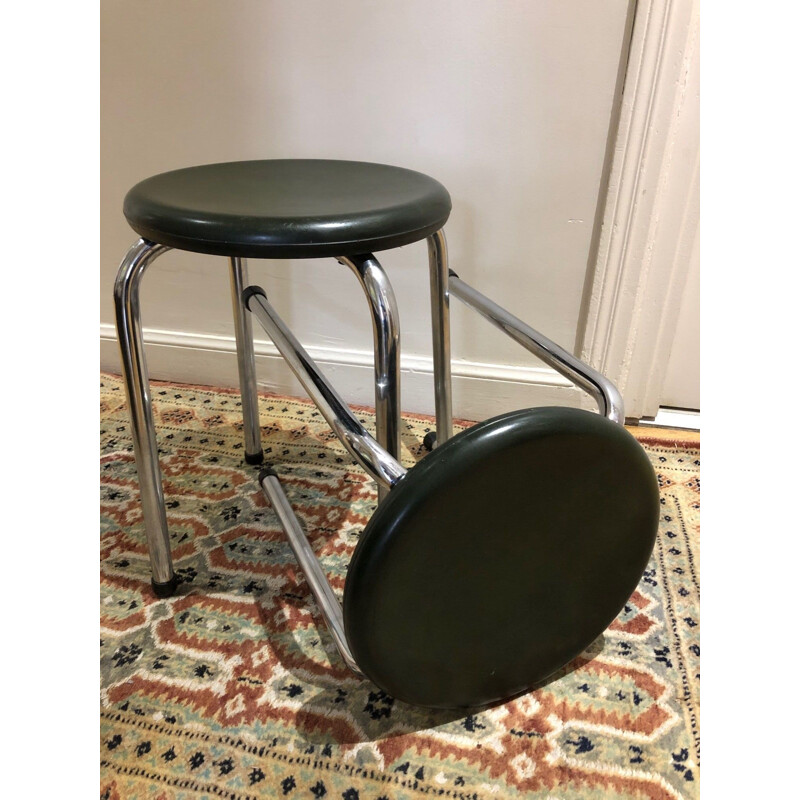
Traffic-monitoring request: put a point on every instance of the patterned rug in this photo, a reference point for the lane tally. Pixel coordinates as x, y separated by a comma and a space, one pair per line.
233, 687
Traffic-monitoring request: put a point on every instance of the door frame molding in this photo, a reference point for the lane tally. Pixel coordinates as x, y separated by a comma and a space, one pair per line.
651, 208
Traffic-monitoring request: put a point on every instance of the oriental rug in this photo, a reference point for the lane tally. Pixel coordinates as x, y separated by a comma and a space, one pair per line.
233, 689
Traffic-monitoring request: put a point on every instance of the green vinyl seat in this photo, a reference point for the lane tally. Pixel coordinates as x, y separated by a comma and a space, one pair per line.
500, 557
287, 208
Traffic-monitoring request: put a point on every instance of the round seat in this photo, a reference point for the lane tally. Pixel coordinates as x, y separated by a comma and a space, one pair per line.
500, 557
288, 208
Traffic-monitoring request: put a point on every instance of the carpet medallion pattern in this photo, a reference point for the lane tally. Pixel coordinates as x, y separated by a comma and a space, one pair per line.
233, 688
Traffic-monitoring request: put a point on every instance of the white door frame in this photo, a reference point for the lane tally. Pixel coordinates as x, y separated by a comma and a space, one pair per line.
651, 210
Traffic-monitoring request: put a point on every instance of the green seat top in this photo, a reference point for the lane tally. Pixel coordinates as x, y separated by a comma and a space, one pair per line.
500, 557
287, 208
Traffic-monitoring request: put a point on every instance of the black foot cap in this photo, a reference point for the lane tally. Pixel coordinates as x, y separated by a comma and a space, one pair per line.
265, 473
255, 458
429, 441
165, 589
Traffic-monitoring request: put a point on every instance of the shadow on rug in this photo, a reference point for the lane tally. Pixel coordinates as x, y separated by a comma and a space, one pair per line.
233, 688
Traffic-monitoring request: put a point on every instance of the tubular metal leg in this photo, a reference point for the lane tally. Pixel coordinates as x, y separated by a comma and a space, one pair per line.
327, 602
137, 388
386, 332
440, 318
253, 454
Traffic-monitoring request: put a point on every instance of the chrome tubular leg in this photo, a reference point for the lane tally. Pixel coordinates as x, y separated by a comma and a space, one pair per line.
253, 454
137, 389
440, 318
327, 602
386, 333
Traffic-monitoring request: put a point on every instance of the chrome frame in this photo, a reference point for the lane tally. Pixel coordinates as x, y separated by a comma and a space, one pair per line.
247, 363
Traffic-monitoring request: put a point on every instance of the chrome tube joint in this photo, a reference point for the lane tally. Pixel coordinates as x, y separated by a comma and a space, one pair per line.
605, 394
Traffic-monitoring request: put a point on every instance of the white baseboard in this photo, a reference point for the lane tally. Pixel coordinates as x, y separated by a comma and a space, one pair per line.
674, 418
479, 390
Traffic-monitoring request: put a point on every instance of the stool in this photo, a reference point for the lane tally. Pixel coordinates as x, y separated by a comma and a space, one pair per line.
509, 548
498, 558
277, 209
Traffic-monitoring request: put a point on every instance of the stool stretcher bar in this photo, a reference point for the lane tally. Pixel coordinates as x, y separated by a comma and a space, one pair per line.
607, 396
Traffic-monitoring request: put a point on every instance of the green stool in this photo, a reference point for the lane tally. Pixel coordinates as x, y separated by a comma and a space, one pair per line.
273, 209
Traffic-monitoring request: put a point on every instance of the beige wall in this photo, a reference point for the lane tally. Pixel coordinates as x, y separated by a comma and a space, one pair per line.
506, 103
